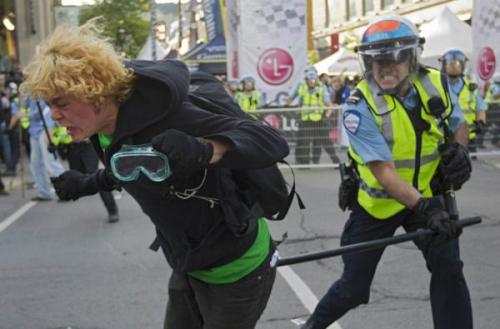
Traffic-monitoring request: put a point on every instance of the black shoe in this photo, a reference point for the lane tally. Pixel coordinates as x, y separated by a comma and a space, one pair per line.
113, 218
311, 325
41, 199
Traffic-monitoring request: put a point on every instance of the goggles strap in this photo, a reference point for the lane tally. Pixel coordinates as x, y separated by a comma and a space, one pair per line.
191, 192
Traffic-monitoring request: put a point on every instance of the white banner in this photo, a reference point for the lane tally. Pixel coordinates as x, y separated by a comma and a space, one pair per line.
267, 39
486, 36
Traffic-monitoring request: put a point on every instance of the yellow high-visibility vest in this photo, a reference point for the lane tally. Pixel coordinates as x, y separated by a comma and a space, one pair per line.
396, 126
312, 102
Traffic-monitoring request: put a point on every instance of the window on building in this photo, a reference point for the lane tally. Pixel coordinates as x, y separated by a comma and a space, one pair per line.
386, 4
352, 9
368, 6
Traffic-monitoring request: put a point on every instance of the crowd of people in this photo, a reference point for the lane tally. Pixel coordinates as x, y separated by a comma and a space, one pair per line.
409, 129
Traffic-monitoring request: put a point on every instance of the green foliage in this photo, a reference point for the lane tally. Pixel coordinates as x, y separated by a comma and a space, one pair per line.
122, 22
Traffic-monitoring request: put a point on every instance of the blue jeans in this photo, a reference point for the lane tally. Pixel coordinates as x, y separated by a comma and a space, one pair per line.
450, 300
40, 167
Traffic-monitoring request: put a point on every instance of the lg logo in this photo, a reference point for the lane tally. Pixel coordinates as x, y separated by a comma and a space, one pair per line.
275, 66
486, 63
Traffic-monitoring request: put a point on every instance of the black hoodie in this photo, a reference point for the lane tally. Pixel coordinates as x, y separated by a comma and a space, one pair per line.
192, 233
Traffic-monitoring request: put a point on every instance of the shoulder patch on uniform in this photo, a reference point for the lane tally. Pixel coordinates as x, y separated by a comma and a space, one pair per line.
352, 120
354, 97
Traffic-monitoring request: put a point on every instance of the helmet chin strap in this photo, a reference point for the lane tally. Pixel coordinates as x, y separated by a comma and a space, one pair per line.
392, 91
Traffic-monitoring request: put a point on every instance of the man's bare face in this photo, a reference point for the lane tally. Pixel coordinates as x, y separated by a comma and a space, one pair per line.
81, 118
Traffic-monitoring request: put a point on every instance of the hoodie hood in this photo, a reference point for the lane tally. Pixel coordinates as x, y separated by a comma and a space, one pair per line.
160, 87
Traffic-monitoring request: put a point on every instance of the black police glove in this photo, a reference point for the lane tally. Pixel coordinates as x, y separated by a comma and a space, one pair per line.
52, 148
438, 220
72, 184
479, 126
456, 164
186, 154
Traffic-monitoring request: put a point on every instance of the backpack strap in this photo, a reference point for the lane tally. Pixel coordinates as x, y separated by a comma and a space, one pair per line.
282, 213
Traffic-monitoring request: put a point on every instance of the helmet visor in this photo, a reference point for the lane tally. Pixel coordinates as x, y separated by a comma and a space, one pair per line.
454, 56
131, 160
389, 53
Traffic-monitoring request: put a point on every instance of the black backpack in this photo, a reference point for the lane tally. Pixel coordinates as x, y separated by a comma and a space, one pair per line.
266, 185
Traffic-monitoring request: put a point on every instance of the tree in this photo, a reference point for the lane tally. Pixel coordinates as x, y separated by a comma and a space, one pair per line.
123, 23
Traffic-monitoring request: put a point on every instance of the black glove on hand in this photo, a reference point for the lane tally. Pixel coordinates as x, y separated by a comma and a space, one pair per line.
52, 148
72, 184
186, 154
479, 126
438, 220
456, 164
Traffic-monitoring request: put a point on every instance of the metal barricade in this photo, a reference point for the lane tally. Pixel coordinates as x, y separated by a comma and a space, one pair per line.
488, 141
313, 133
319, 143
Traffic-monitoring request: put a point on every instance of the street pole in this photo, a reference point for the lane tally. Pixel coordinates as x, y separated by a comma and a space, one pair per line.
179, 17
153, 29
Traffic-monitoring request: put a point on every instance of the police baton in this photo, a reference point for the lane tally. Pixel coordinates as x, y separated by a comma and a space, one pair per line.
369, 245
46, 129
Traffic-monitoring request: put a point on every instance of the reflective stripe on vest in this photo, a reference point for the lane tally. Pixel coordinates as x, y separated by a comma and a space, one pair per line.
397, 129
25, 120
248, 102
467, 102
312, 102
60, 136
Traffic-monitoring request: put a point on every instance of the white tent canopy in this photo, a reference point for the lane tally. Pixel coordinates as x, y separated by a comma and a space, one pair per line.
147, 50
342, 62
442, 33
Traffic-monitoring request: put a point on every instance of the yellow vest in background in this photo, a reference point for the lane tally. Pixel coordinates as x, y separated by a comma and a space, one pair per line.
312, 101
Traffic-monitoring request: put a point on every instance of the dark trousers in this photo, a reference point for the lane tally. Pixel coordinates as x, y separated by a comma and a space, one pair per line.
82, 157
311, 138
450, 300
194, 304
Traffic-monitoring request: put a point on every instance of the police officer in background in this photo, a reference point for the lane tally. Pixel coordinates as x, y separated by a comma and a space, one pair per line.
313, 132
249, 99
397, 146
467, 93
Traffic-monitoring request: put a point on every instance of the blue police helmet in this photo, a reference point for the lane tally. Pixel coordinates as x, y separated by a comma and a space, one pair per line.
391, 38
247, 79
452, 55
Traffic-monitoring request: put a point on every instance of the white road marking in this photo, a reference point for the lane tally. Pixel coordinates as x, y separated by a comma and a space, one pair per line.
303, 292
15, 216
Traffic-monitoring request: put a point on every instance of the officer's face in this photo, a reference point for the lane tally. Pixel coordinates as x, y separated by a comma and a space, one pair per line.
311, 83
389, 74
82, 118
454, 68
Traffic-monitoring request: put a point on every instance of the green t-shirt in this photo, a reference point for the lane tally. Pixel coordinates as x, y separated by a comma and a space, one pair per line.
240, 267
104, 141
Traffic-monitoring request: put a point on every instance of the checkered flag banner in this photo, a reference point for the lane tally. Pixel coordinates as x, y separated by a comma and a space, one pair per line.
487, 20
280, 18
271, 45
485, 36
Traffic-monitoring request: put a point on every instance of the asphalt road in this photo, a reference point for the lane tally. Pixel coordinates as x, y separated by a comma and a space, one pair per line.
63, 266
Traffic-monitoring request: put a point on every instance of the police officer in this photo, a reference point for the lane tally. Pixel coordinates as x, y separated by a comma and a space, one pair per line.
248, 98
393, 122
313, 132
467, 93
